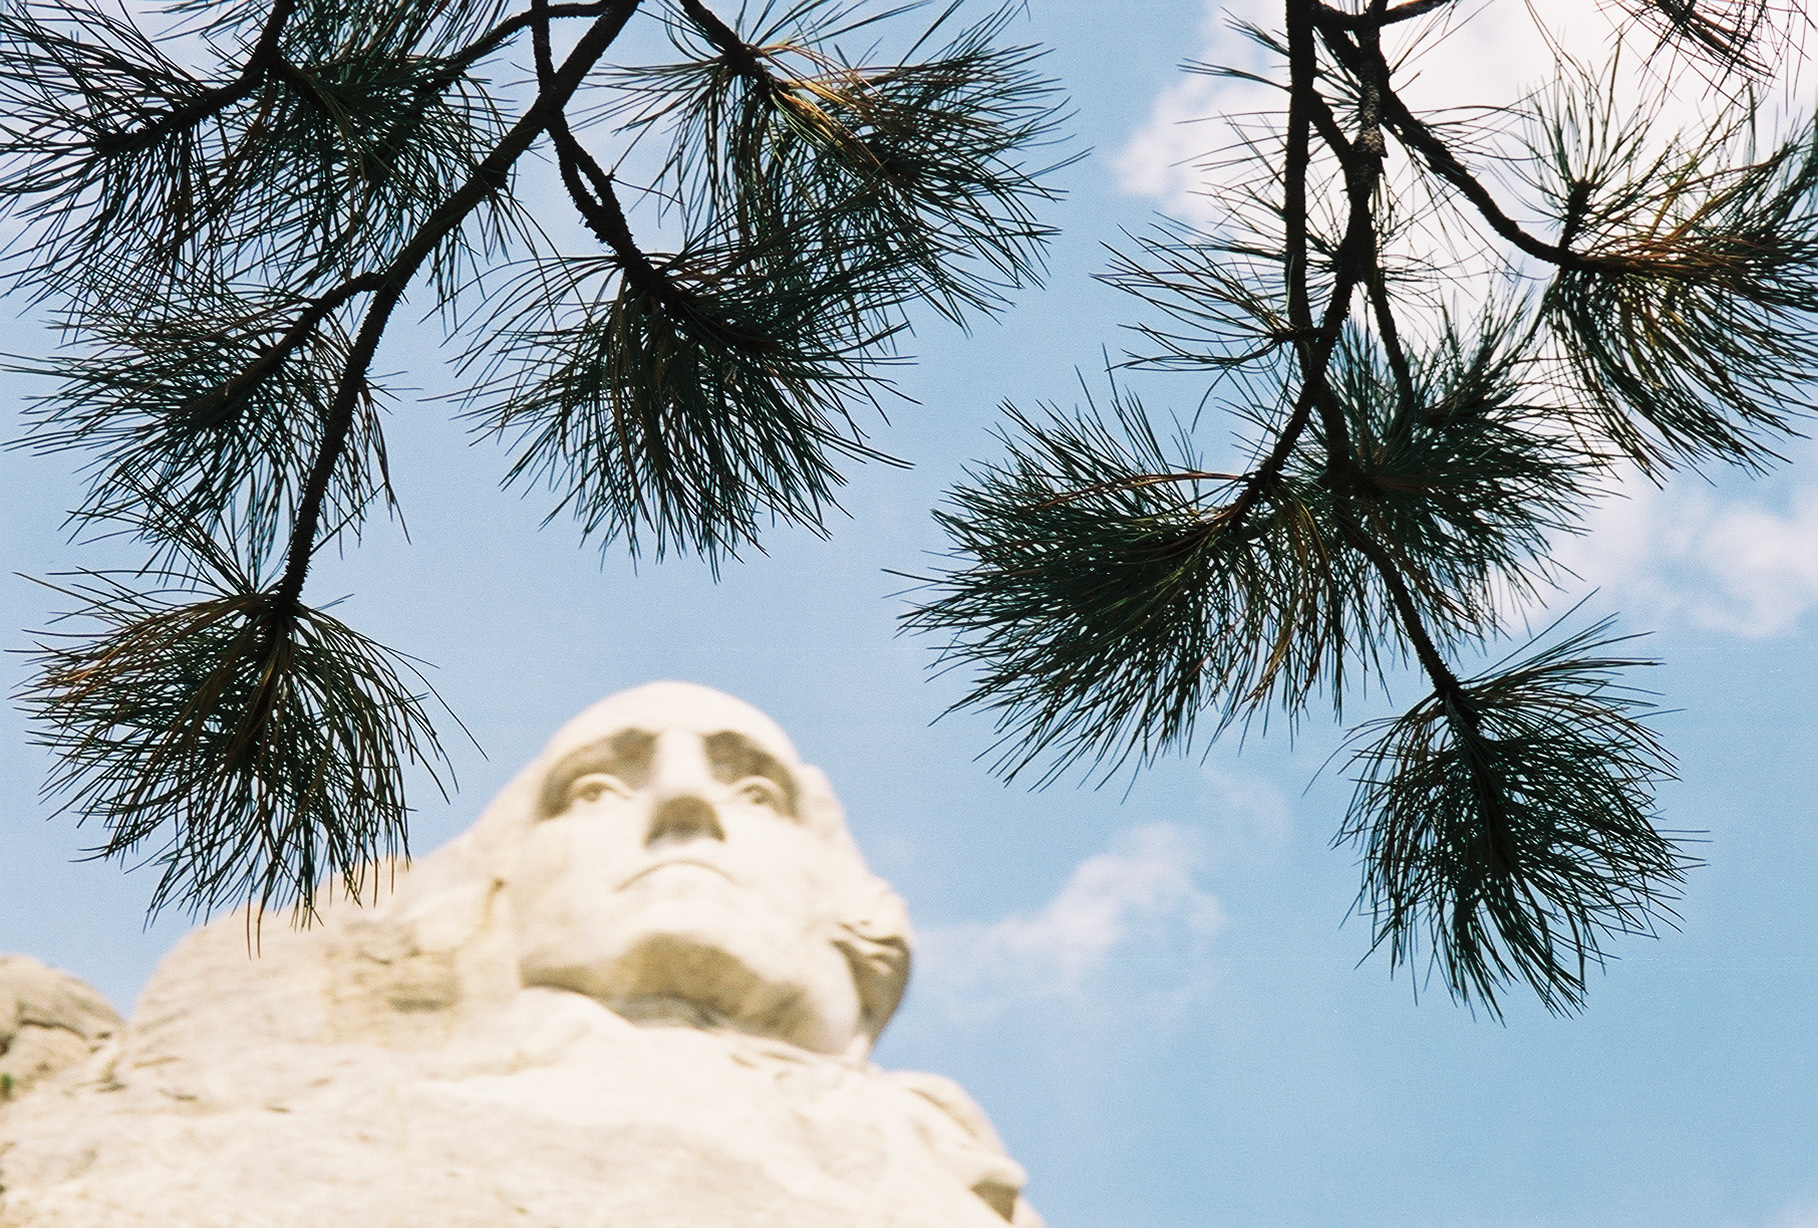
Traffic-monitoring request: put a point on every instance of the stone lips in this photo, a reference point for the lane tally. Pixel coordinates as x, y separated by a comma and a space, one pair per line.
497, 1041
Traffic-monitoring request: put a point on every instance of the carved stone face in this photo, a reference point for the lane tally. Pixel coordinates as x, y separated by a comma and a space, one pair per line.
672, 868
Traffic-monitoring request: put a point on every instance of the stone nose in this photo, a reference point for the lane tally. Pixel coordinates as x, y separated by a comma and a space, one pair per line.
681, 818
681, 785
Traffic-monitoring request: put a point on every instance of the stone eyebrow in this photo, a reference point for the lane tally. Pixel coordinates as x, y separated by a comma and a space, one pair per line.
627, 754
732, 757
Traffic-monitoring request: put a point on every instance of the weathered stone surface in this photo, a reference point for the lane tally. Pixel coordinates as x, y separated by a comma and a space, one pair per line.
49, 1022
640, 992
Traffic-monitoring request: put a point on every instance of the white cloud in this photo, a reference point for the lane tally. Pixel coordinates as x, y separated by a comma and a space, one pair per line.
1684, 554
1489, 59
1143, 890
1801, 1214
1189, 119
1493, 53
1249, 819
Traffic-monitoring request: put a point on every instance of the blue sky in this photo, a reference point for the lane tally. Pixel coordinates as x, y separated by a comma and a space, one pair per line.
1150, 986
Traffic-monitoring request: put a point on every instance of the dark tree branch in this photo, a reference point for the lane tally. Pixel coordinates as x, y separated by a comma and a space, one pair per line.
1356, 263
211, 102
274, 354
1375, 83
1463, 714
1379, 15
1417, 136
1355, 259
1432, 661
487, 179
1391, 339
1313, 348
1326, 124
1358, 260
499, 34
1314, 391
726, 41
594, 197
1369, 119
1414, 133
1301, 69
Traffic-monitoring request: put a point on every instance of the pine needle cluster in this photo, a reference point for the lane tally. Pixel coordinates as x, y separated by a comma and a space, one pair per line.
1416, 436
223, 211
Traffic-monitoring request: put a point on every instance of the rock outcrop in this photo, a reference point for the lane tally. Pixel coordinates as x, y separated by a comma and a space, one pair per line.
49, 1022
640, 993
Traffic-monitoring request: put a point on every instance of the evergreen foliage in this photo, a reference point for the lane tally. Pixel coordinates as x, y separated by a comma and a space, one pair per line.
223, 214
224, 210
1418, 432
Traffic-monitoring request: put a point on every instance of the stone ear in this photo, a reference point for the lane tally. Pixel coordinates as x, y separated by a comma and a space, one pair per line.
875, 938
872, 925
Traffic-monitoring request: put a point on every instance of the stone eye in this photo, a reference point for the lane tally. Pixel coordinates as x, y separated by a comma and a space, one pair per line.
759, 791
595, 786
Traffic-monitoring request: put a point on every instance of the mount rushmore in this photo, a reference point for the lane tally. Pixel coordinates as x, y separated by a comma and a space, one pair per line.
641, 991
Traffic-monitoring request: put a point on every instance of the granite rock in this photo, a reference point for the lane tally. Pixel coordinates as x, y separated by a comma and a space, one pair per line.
640, 992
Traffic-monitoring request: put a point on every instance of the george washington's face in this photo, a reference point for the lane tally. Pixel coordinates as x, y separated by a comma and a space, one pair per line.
670, 869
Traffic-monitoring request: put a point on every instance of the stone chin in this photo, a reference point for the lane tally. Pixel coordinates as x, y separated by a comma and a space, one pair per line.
684, 942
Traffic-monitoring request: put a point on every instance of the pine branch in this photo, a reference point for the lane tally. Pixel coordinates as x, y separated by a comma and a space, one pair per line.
488, 178
593, 196
230, 258
263, 60
1508, 818
264, 745
1407, 491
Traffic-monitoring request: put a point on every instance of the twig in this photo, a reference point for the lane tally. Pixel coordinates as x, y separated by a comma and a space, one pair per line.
487, 178
210, 102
